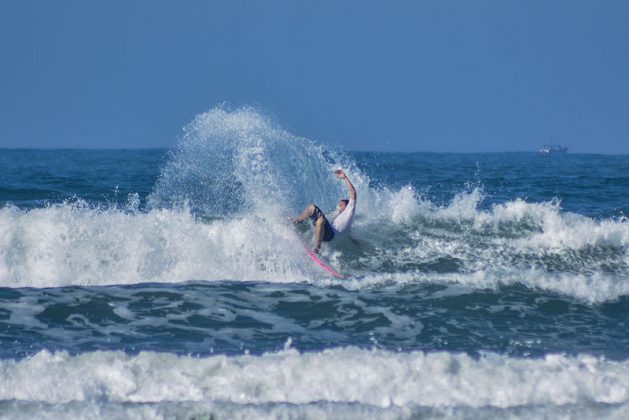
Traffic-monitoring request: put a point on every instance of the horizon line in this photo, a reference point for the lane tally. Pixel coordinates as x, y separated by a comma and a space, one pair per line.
104, 149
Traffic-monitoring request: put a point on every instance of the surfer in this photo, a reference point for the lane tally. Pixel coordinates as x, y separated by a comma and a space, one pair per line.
324, 230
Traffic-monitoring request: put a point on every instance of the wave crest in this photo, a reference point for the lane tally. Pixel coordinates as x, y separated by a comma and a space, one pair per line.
374, 378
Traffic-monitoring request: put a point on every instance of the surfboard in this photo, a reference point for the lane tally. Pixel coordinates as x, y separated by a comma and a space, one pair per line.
321, 264
314, 256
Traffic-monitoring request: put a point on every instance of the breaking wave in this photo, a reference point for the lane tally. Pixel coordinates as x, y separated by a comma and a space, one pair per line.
351, 380
217, 212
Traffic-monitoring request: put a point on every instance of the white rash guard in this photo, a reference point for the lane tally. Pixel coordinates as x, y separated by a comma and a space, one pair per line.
343, 220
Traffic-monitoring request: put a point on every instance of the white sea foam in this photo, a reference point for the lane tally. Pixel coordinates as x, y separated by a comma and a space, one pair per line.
363, 378
77, 245
65, 245
215, 215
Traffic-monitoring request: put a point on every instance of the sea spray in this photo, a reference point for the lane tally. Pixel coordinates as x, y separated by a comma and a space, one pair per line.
239, 162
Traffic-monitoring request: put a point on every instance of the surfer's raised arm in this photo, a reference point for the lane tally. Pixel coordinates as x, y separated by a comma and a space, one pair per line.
352, 191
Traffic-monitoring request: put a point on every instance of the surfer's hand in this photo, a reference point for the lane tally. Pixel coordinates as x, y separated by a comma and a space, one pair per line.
340, 173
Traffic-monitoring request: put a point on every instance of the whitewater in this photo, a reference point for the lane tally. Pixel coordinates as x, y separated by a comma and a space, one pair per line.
168, 283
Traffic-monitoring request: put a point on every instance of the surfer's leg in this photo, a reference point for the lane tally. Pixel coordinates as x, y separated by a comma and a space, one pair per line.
309, 211
319, 232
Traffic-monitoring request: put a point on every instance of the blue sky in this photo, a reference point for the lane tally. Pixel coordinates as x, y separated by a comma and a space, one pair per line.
468, 76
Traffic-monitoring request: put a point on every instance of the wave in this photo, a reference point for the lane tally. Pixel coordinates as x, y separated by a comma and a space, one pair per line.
64, 245
78, 245
350, 378
217, 212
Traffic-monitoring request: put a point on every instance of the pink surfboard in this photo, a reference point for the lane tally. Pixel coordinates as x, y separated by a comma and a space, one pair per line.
323, 265
317, 261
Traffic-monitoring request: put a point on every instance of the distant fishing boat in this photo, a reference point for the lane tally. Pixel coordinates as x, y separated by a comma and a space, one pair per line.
549, 149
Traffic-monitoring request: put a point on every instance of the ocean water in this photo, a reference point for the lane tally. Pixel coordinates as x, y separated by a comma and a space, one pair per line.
167, 283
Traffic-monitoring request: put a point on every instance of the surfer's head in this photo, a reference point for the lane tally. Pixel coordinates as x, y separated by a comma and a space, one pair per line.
342, 205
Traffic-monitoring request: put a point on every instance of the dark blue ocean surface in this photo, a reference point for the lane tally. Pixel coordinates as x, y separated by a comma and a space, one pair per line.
37, 178
107, 254
591, 185
255, 317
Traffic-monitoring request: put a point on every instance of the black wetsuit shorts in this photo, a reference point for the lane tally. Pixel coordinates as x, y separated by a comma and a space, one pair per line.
328, 232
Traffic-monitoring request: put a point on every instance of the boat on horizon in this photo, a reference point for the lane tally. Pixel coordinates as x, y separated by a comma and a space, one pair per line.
549, 149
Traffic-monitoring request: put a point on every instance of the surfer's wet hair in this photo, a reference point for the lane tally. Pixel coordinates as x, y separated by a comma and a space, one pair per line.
346, 201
